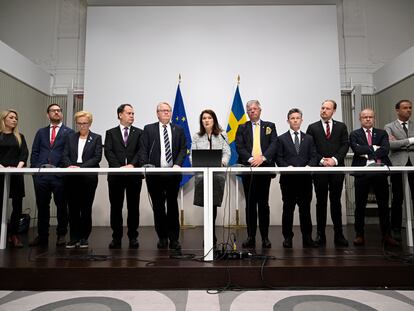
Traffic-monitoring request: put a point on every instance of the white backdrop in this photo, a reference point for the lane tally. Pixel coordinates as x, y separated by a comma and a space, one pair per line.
287, 56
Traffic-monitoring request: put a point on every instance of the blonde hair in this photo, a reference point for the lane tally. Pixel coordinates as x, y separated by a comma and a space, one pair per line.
83, 113
16, 133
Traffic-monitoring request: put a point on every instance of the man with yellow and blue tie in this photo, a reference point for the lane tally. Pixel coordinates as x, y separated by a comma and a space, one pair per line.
256, 146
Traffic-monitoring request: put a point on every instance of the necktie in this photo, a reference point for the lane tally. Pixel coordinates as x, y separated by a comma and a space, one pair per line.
328, 130
53, 136
404, 125
125, 135
369, 135
168, 155
297, 144
257, 151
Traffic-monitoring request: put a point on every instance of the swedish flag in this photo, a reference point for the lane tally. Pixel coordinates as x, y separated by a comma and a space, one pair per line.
237, 117
179, 117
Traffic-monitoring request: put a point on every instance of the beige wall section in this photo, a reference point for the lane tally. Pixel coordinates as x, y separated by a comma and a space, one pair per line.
31, 106
387, 99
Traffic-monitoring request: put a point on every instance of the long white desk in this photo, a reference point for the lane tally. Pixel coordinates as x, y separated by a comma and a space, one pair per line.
208, 187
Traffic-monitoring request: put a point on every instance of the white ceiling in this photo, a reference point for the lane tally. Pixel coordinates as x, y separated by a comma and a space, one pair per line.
205, 2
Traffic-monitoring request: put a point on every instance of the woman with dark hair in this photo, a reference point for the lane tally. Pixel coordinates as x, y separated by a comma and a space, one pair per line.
13, 153
211, 136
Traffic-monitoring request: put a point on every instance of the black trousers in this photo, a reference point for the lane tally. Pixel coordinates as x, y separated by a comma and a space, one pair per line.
398, 198
332, 183
81, 193
45, 186
163, 190
17, 202
379, 183
296, 189
256, 192
118, 185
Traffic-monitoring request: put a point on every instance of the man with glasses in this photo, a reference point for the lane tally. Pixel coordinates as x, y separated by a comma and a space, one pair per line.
163, 144
47, 151
256, 145
121, 151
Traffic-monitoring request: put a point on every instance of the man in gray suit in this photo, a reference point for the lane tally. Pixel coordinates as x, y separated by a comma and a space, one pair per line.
401, 137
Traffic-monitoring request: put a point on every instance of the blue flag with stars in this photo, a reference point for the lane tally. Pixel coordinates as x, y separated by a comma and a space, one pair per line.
179, 117
237, 117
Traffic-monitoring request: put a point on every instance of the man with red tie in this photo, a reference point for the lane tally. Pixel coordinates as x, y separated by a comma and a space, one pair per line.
331, 140
370, 146
47, 151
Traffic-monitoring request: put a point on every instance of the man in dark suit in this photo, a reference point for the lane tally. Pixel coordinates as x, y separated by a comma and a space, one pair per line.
401, 136
370, 146
121, 150
163, 144
256, 146
296, 149
47, 151
331, 141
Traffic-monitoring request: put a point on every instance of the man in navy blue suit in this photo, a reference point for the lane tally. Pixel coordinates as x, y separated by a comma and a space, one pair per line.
163, 144
256, 143
370, 146
296, 149
47, 151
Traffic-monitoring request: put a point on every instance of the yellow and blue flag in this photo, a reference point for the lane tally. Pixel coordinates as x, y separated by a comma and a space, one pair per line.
179, 117
237, 117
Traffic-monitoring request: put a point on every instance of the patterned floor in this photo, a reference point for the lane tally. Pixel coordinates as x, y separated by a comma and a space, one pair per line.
295, 300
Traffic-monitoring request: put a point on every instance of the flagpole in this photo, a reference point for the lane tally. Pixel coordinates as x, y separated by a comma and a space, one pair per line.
182, 218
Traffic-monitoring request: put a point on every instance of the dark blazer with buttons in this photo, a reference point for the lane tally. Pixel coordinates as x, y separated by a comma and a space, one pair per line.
150, 145
92, 152
43, 152
268, 140
359, 145
336, 145
286, 154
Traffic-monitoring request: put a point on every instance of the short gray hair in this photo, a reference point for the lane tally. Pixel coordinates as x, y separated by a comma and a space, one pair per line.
253, 102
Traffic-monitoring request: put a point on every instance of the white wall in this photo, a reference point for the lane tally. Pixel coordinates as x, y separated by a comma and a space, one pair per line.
287, 57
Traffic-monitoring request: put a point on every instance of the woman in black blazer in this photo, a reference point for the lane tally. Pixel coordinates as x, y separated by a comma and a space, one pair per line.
82, 149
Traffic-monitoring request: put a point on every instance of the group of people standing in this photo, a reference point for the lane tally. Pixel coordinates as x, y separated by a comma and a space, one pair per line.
163, 144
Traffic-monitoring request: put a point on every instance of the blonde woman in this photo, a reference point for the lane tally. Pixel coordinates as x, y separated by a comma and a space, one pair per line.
13, 153
82, 149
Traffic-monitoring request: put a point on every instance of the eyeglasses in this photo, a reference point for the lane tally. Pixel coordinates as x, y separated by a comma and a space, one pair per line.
82, 124
164, 110
55, 110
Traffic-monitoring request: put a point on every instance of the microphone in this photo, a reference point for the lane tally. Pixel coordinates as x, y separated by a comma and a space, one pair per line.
148, 166
224, 138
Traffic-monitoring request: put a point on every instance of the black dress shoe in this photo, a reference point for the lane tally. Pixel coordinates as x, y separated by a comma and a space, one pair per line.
162, 244
389, 241
320, 239
340, 240
39, 241
307, 242
287, 243
174, 244
133, 243
359, 240
250, 242
266, 243
115, 244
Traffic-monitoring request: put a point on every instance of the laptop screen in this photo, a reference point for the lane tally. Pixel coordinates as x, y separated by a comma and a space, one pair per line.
206, 157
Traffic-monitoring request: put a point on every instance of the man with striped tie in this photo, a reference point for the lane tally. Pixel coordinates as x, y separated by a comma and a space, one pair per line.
163, 144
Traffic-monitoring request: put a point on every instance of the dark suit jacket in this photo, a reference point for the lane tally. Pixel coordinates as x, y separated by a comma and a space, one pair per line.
336, 145
92, 152
359, 145
268, 140
150, 145
115, 150
43, 153
287, 155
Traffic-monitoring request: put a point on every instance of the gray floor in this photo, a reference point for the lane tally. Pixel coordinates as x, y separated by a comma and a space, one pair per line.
297, 300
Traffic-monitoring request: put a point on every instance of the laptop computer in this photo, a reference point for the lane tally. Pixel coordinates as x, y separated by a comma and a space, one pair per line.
206, 157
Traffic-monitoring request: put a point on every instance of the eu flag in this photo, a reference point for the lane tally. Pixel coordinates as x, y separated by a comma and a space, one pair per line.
179, 117
237, 117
